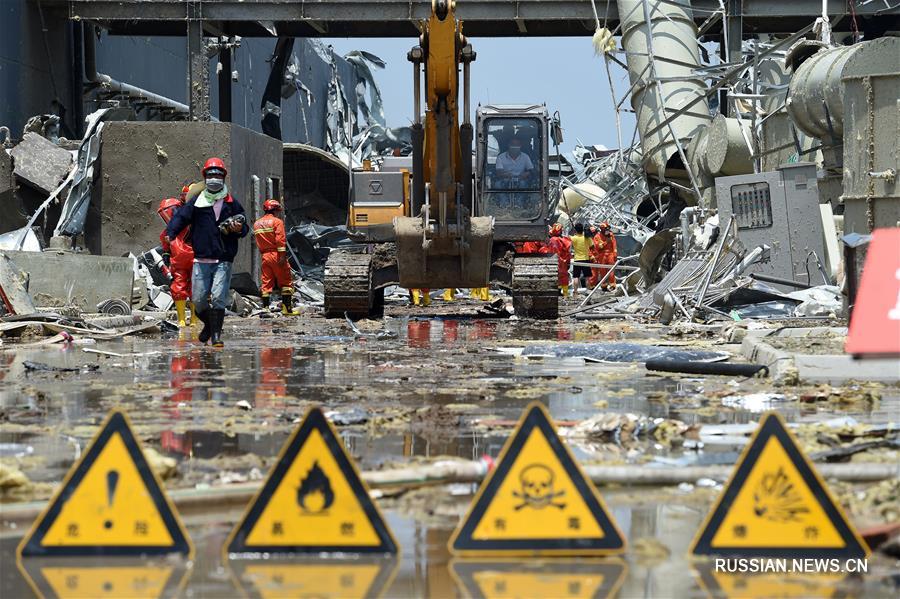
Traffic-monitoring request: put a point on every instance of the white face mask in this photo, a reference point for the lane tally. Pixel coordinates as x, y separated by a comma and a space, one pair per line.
215, 184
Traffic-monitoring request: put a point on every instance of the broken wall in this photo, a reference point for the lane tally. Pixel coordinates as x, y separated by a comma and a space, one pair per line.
142, 163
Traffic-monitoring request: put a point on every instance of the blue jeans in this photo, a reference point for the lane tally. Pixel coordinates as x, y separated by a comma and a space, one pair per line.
210, 284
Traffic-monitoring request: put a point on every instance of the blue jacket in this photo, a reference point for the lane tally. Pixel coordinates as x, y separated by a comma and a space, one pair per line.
206, 239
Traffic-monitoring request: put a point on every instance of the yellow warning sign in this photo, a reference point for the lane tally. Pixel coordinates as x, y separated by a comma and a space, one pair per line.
323, 579
313, 501
728, 585
110, 503
537, 501
776, 505
116, 578
561, 579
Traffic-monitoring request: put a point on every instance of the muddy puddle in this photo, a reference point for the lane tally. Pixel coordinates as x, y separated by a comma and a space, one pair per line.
411, 386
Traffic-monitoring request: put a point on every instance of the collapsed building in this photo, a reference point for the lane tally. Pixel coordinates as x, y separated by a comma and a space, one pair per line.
780, 143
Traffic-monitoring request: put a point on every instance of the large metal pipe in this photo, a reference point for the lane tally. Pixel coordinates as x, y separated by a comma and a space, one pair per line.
727, 151
816, 97
671, 32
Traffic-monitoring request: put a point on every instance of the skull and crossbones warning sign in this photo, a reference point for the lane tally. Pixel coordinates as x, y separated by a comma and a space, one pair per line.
537, 488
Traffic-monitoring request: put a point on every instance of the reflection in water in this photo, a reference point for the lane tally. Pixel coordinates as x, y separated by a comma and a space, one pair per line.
78, 578
320, 579
725, 585
559, 578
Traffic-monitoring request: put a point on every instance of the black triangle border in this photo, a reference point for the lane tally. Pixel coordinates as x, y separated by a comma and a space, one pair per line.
314, 420
612, 539
116, 423
613, 571
772, 426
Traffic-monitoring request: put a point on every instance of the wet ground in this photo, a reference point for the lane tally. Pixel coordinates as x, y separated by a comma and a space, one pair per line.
422, 383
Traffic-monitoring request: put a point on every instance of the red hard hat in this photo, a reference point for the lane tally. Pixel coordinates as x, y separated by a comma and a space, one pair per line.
604, 225
556, 230
215, 163
184, 191
271, 205
167, 208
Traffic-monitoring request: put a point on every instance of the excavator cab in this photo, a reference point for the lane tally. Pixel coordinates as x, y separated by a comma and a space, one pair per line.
511, 176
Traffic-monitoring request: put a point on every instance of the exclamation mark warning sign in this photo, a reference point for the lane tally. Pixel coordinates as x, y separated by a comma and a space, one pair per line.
111, 502
112, 480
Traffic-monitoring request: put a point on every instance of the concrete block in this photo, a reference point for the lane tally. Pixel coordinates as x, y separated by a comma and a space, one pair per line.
41, 163
55, 277
13, 284
7, 181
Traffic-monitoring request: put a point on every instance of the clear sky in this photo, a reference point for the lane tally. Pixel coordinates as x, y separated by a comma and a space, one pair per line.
561, 72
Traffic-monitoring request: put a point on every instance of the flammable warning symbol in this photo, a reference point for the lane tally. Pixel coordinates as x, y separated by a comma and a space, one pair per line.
776, 505
110, 503
313, 501
537, 501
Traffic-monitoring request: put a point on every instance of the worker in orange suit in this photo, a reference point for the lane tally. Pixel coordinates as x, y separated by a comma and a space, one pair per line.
272, 243
562, 247
604, 251
178, 256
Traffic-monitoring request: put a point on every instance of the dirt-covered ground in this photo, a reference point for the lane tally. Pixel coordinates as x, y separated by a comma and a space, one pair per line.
421, 384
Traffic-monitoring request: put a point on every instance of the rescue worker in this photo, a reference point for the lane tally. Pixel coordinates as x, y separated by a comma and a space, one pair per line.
217, 224
604, 252
562, 247
178, 256
581, 247
421, 297
271, 240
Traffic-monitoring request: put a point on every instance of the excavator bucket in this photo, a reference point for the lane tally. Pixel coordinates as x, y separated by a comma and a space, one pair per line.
457, 260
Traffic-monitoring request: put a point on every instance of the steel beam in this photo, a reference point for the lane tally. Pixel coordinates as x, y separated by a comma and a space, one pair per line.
400, 18
198, 66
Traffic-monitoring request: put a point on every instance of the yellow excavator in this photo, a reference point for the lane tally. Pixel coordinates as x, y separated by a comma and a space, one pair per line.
425, 220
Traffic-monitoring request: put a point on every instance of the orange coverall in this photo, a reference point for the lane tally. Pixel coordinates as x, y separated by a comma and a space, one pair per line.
604, 252
562, 247
181, 262
272, 243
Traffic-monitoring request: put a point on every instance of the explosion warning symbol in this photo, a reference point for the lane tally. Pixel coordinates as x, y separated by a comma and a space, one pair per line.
776, 505
110, 503
537, 501
313, 501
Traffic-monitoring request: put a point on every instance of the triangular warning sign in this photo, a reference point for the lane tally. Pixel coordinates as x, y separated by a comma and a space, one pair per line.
110, 503
313, 501
135, 578
321, 578
776, 505
585, 578
537, 501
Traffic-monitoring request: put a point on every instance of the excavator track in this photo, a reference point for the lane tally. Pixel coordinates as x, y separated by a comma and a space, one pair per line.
348, 285
534, 290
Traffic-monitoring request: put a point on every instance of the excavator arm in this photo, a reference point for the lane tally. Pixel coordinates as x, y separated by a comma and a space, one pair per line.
442, 148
